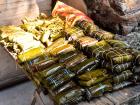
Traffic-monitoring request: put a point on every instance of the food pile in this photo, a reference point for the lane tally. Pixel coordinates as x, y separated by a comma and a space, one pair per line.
73, 63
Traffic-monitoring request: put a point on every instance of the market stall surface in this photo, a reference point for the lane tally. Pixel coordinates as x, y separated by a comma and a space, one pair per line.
22, 95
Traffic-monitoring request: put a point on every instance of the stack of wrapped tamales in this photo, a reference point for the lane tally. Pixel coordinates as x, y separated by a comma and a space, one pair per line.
72, 63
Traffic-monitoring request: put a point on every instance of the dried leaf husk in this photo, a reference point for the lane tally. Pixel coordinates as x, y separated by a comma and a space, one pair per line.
117, 43
103, 35
70, 97
88, 27
97, 48
56, 44
64, 88
49, 71
98, 89
92, 77
58, 78
82, 42
42, 65
65, 57
31, 54
122, 85
73, 33
62, 49
116, 56
125, 75
117, 68
75, 60
85, 66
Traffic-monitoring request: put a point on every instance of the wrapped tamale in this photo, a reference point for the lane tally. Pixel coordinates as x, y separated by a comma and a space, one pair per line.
31, 54
137, 58
125, 75
62, 49
73, 33
136, 78
117, 68
82, 42
58, 43
117, 43
65, 87
42, 65
122, 85
92, 77
58, 79
116, 56
103, 35
88, 27
86, 65
70, 97
97, 48
75, 60
65, 57
49, 71
98, 89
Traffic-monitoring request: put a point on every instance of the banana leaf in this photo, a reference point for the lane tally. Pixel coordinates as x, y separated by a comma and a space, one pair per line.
65, 57
122, 85
70, 97
88, 27
75, 60
117, 43
117, 68
31, 54
98, 90
56, 44
116, 56
62, 49
73, 33
64, 88
97, 48
92, 77
42, 65
49, 71
125, 75
82, 42
58, 79
103, 35
85, 66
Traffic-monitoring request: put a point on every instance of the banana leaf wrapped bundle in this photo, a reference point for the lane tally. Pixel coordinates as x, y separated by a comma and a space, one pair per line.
122, 85
73, 33
49, 71
117, 43
75, 60
86, 65
65, 57
42, 65
88, 27
100, 46
65, 87
31, 54
93, 77
70, 97
117, 68
137, 58
125, 75
98, 89
84, 41
116, 56
58, 79
103, 35
56, 44
62, 49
